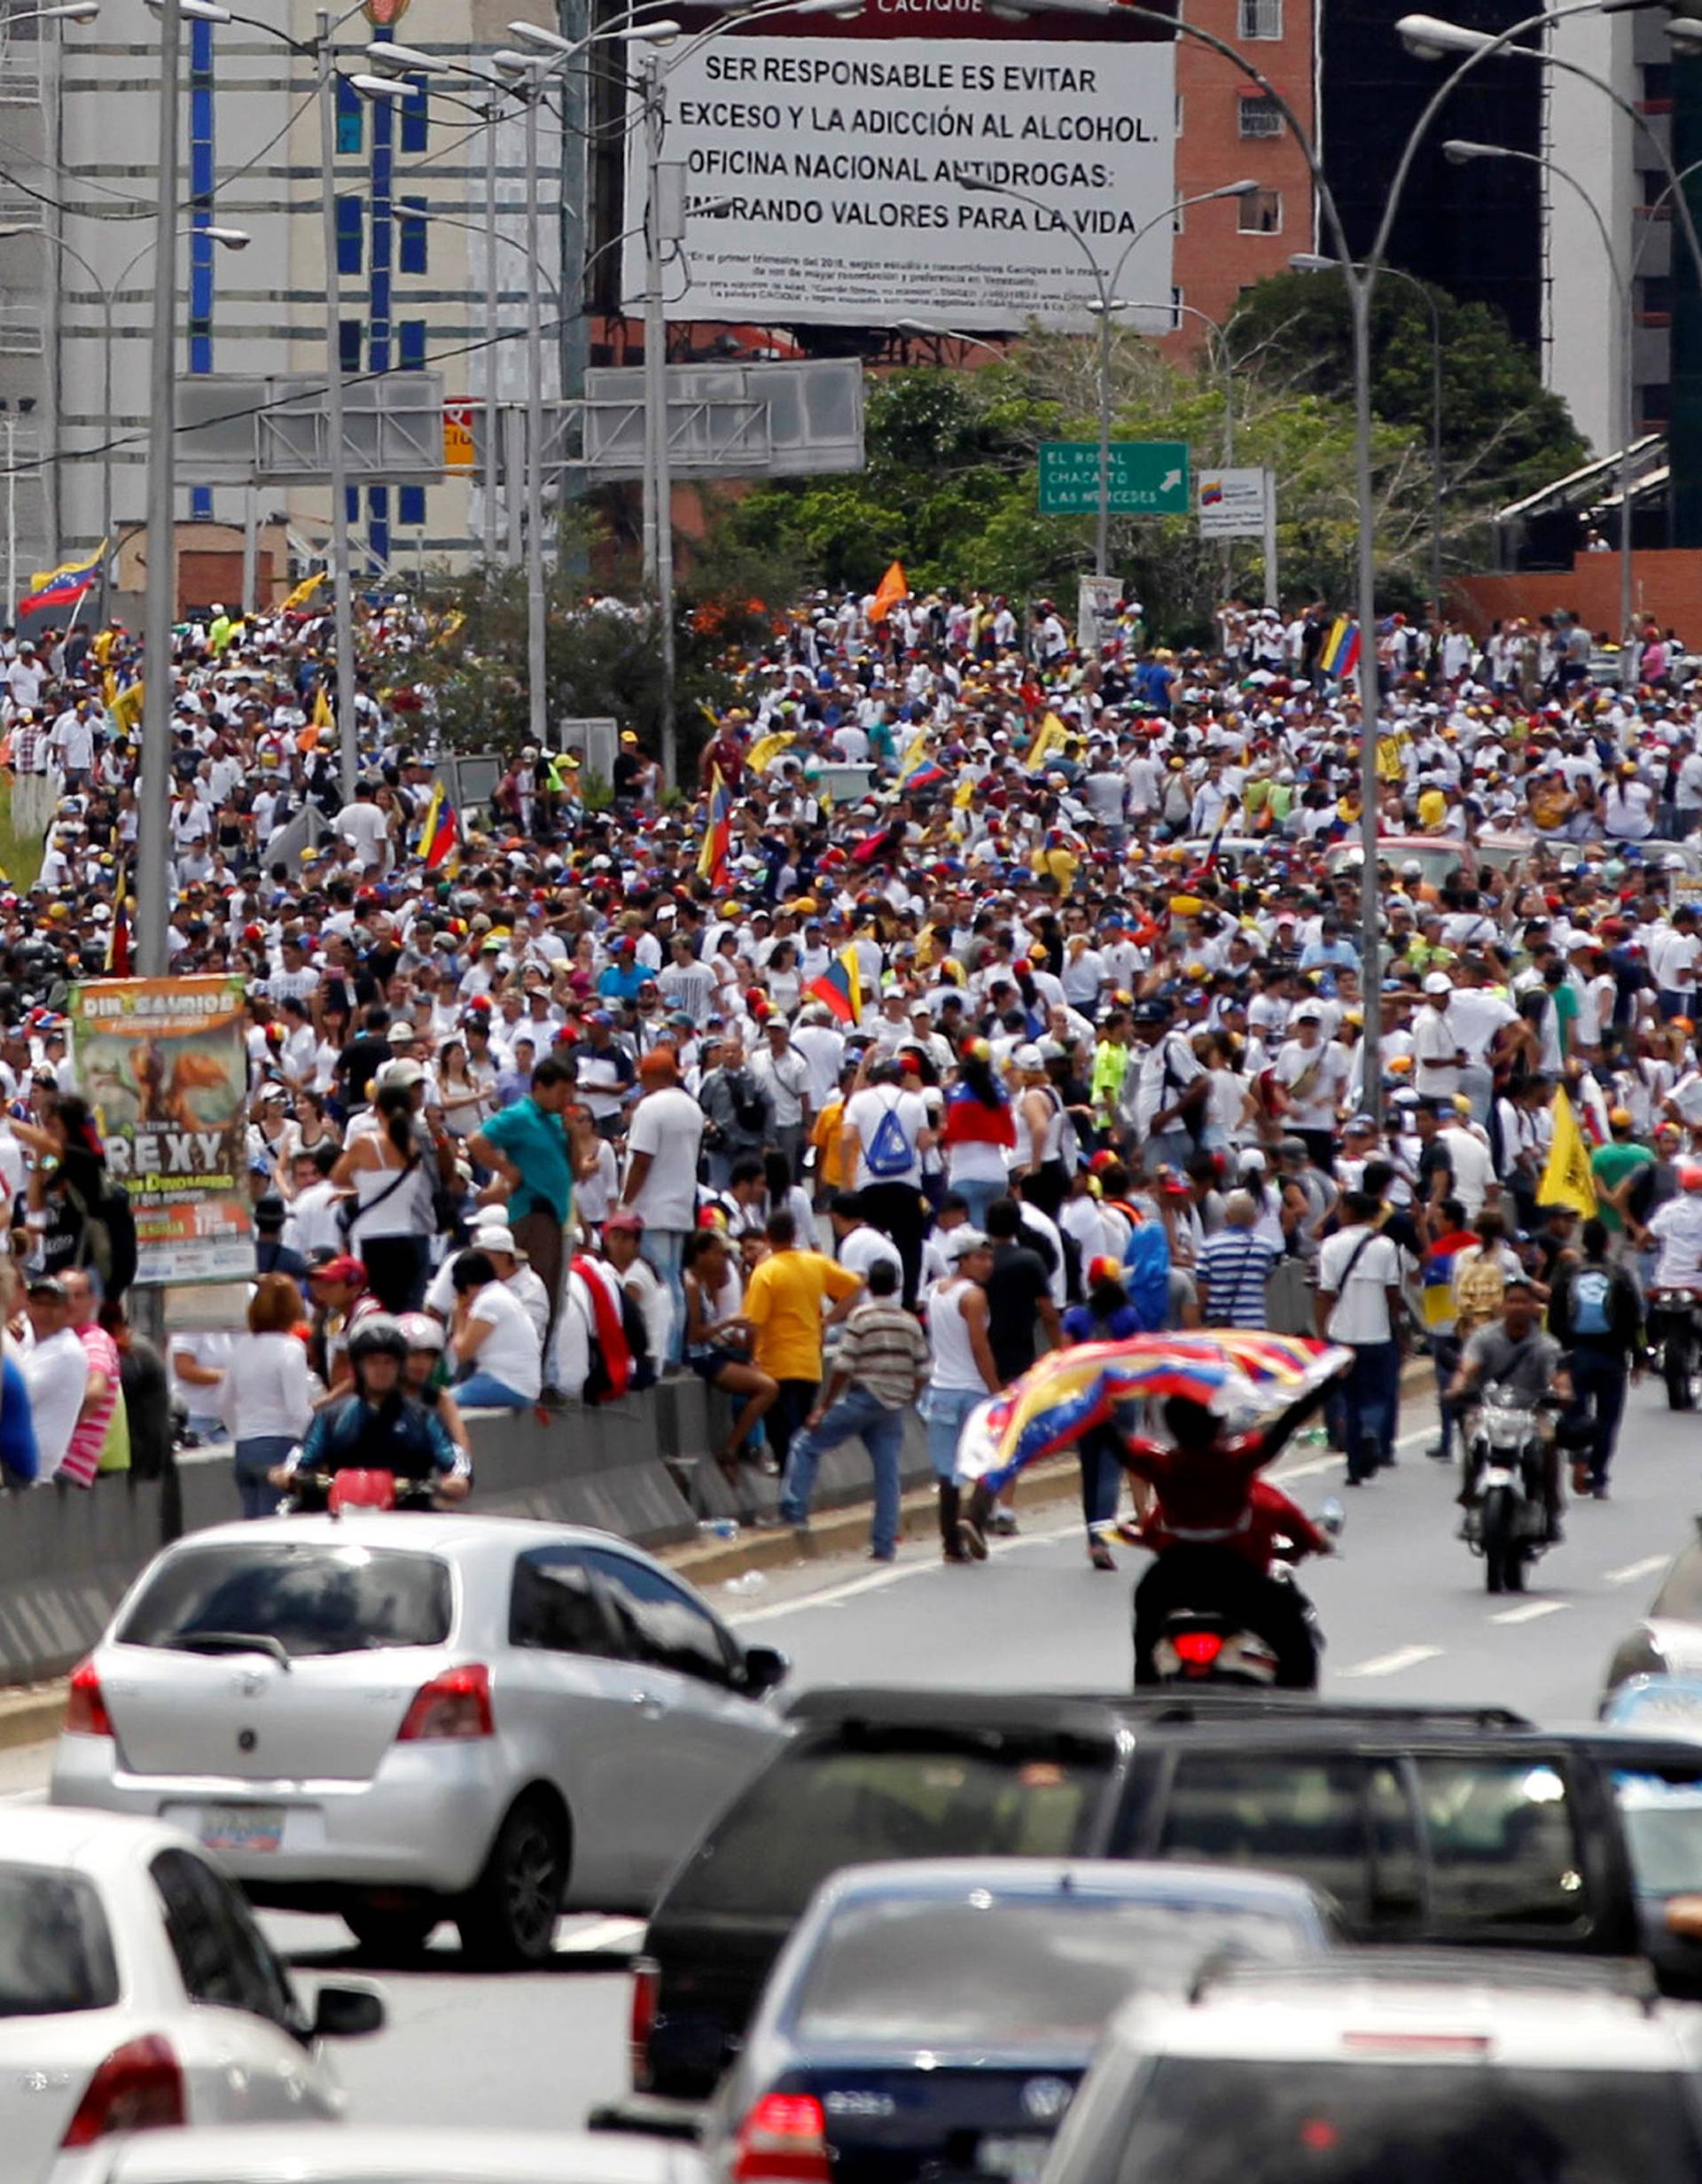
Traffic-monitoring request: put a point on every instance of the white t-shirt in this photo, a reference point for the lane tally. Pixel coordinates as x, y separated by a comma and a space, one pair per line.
365, 826
1360, 1313
56, 1373
509, 1352
1475, 1016
865, 1113
1474, 1169
1678, 1226
668, 1126
864, 1247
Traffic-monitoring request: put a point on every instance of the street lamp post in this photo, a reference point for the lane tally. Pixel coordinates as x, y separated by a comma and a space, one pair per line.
1313, 262
1105, 289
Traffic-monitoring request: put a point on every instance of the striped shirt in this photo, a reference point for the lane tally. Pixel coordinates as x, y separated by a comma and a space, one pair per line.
885, 1351
1233, 1265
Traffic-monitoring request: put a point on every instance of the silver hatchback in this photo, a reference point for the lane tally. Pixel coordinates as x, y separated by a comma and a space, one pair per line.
408, 1717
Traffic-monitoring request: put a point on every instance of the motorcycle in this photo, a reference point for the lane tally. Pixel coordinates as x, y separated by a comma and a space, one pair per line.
1200, 1644
335, 1493
1675, 1327
1508, 1462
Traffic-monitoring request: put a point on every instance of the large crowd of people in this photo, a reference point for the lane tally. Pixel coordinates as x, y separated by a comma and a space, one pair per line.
975, 994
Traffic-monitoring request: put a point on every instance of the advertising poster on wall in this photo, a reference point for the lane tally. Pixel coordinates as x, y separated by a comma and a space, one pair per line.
834, 169
163, 1064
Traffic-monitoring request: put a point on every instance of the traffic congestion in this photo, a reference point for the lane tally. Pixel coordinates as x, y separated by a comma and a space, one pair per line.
936, 1155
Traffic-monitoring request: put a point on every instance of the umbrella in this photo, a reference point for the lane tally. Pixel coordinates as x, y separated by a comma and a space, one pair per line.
1232, 1370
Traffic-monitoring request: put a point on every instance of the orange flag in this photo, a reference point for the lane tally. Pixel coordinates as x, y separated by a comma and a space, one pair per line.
893, 587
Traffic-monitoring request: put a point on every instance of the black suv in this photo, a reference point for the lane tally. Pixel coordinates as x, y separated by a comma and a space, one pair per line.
1457, 1826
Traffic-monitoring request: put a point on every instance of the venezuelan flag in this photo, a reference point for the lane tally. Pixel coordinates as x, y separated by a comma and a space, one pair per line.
1340, 654
63, 586
840, 987
440, 837
718, 835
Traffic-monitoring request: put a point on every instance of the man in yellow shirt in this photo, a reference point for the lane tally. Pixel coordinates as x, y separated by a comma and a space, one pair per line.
782, 1306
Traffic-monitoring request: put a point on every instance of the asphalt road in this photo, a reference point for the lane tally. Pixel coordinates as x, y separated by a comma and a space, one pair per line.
1404, 1611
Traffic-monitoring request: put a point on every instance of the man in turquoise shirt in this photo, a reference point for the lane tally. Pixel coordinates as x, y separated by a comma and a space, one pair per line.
527, 1144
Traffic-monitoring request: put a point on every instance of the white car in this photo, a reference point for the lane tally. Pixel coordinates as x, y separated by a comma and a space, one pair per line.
137, 1992
405, 1717
304, 2155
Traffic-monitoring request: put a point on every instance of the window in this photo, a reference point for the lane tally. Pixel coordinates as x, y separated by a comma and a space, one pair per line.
351, 118
410, 344
1500, 1841
1656, 405
222, 1957
1302, 1815
56, 1952
1261, 18
1657, 83
416, 117
412, 246
351, 218
1655, 295
553, 1606
656, 1621
1261, 213
410, 507
309, 1599
1260, 116
348, 344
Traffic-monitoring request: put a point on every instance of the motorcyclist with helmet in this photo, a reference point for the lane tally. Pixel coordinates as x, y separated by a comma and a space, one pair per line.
1216, 1528
379, 1426
424, 1334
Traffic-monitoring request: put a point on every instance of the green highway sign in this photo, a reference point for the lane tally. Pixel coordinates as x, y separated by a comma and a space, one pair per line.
1148, 477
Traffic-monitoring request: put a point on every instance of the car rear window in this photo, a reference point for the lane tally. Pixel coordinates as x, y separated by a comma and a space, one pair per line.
816, 1809
1035, 1977
1218, 2120
56, 1952
307, 1598
1662, 1819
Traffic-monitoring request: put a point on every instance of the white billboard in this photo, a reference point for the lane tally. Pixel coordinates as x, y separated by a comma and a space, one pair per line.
837, 162
1232, 503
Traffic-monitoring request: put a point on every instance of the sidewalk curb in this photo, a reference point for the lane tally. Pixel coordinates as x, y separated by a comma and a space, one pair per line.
710, 1561
33, 1715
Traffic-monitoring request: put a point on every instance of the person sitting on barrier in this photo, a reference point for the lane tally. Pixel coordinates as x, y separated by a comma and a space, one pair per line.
492, 1340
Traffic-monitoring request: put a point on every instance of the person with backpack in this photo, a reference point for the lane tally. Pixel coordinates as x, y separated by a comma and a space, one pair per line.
1172, 1091
738, 1111
1106, 1316
883, 1138
1359, 1303
1596, 1314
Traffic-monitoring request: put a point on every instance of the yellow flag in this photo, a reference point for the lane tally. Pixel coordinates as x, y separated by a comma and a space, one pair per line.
323, 716
916, 753
303, 592
1568, 1179
1052, 736
126, 707
766, 749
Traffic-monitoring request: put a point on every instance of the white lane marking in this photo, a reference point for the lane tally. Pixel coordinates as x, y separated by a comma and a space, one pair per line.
1310, 1467
1392, 1663
1533, 1611
853, 1588
1628, 1573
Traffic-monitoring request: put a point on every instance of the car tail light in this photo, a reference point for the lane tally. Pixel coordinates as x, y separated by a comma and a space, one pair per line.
138, 2087
85, 1711
454, 1704
1198, 1649
783, 2141
647, 1987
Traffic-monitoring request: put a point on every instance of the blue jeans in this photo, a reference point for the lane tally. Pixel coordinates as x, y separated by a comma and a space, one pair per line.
978, 1193
254, 1457
1102, 1476
856, 1414
1598, 1382
945, 1409
665, 1249
484, 1392
1371, 1396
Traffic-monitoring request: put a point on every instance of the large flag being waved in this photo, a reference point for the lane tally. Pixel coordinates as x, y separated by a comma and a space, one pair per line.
718, 834
1228, 1370
1568, 1179
1340, 654
1049, 737
766, 749
301, 597
841, 987
125, 704
892, 588
440, 837
63, 586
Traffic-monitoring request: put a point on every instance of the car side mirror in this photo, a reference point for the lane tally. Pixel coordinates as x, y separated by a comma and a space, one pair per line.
765, 1666
347, 2011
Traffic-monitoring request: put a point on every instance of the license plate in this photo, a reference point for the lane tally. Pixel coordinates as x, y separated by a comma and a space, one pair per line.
1021, 2160
242, 1827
